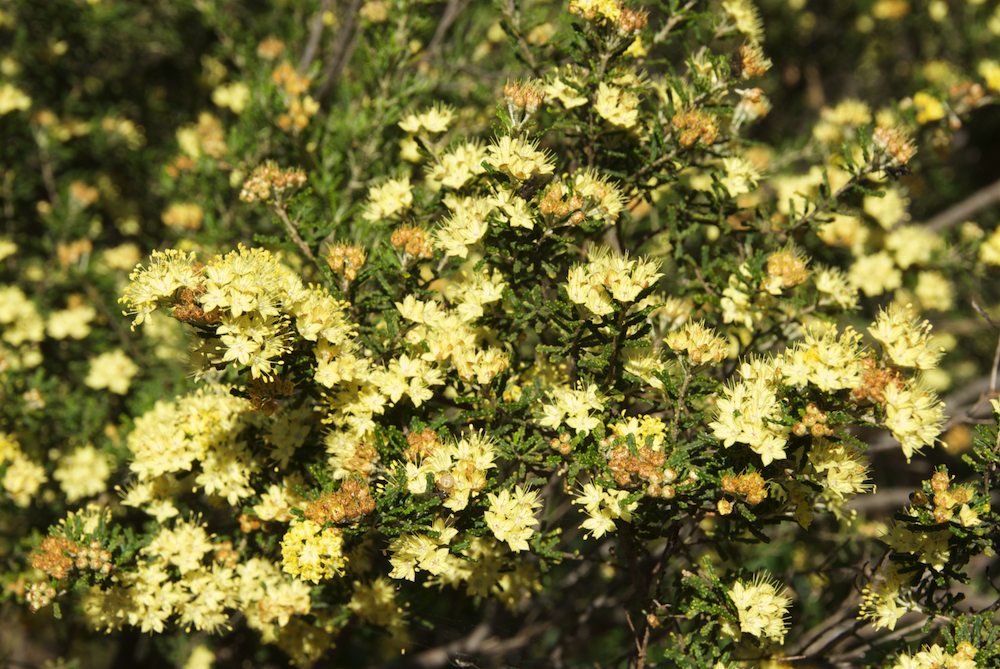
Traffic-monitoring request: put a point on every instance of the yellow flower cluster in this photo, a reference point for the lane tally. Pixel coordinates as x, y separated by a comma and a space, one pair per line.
603, 199
457, 468
573, 407
456, 167
433, 120
388, 199
749, 412
113, 370
466, 225
824, 359
905, 337
311, 552
23, 328
250, 298
935, 657
447, 334
83, 473
762, 607
841, 468
881, 599
645, 430
518, 158
203, 595
746, 18
617, 106
71, 323
511, 516
426, 552
914, 415
22, 477
603, 507
608, 277
202, 427
700, 343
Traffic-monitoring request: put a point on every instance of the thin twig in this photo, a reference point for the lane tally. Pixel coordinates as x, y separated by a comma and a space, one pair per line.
513, 17
341, 54
451, 12
961, 211
293, 232
672, 22
315, 33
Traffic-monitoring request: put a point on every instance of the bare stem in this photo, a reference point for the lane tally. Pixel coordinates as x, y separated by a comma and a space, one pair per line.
293, 232
961, 211
315, 33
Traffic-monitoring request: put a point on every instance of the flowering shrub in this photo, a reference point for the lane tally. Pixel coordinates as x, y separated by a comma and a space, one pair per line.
513, 334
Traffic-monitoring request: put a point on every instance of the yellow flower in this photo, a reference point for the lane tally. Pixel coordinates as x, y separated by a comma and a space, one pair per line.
312, 553
881, 601
518, 158
201, 657
889, 209
875, 274
842, 469
608, 277
183, 546
426, 552
834, 285
700, 343
912, 245
375, 603
603, 507
746, 17
934, 291
83, 473
457, 167
605, 199
573, 407
749, 413
7, 248
593, 10
71, 323
929, 108
388, 199
824, 359
13, 99
739, 175
23, 477
989, 252
914, 415
183, 216
566, 93
989, 70
905, 337
168, 271
512, 515
617, 106
466, 225
434, 120
844, 230
233, 96
762, 607
113, 371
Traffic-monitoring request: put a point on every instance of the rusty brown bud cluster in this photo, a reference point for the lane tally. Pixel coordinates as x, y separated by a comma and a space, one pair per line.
268, 182
346, 260
812, 423
351, 502
874, 379
412, 241
750, 486
695, 126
